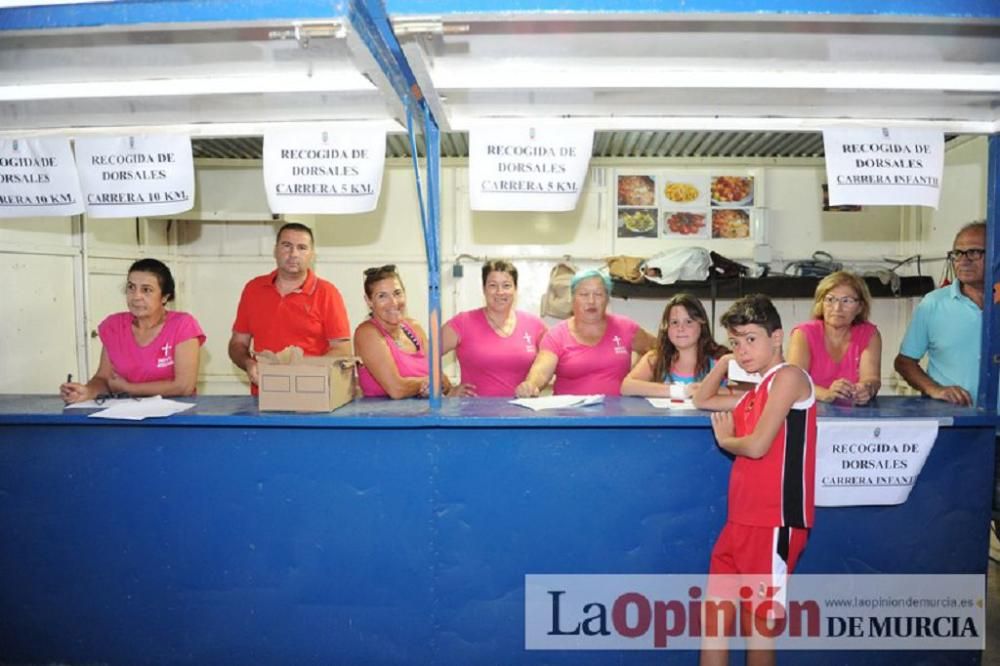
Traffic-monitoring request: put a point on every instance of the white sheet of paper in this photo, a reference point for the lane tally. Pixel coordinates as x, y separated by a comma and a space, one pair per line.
738, 374
668, 403
333, 168
92, 404
558, 401
884, 166
40, 178
870, 462
528, 164
135, 176
137, 410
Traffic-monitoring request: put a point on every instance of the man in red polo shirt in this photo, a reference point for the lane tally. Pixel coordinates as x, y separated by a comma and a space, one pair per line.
289, 306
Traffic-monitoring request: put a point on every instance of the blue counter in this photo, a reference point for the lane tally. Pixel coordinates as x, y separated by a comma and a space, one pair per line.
384, 533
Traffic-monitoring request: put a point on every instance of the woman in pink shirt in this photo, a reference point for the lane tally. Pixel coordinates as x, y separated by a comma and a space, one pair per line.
392, 347
148, 350
840, 349
591, 352
495, 344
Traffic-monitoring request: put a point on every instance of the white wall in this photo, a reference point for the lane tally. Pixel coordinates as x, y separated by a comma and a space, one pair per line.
44, 314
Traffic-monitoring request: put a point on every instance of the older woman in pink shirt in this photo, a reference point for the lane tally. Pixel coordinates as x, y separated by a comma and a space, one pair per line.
839, 348
495, 344
591, 352
148, 350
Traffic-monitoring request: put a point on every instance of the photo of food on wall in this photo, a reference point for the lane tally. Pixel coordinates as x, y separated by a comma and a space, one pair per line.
681, 192
730, 223
685, 224
732, 190
636, 191
637, 222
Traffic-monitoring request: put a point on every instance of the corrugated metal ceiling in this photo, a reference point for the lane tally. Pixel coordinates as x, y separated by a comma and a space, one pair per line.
606, 144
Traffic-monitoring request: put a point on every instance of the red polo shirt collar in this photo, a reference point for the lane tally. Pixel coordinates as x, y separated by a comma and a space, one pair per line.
307, 287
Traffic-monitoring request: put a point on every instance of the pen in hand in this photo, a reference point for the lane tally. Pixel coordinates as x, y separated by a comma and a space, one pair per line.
66, 391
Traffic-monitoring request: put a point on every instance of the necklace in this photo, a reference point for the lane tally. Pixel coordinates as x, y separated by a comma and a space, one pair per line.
506, 327
409, 334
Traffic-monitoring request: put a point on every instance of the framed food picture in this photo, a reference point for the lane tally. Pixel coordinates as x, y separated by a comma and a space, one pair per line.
636, 190
730, 223
681, 190
686, 224
685, 204
732, 191
637, 222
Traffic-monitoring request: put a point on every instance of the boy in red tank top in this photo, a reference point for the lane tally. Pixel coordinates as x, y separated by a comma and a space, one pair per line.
771, 430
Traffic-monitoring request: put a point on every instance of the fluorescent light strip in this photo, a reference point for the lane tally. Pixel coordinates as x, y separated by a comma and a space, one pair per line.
270, 83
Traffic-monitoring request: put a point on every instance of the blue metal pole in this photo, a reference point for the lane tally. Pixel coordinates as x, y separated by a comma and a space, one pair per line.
429, 219
370, 20
411, 133
432, 138
989, 371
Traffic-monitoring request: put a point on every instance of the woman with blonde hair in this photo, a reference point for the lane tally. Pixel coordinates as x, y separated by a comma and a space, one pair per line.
839, 348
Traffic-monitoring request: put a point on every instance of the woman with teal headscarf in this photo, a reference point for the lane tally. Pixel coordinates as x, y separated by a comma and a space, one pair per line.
591, 352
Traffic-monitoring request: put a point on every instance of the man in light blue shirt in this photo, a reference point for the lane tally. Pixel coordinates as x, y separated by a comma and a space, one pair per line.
946, 326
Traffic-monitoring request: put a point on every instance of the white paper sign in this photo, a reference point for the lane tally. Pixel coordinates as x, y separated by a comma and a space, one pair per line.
873, 462
324, 170
884, 167
38, 178
131, 176
528, 167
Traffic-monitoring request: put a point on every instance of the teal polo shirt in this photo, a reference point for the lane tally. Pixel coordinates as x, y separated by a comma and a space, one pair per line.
947, 326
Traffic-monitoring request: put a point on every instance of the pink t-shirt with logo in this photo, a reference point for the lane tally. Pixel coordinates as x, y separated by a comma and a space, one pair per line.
584, 369
155, 361
495, 365
823, 370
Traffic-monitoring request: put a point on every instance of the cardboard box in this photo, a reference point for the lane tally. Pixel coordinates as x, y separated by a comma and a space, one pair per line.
291, 382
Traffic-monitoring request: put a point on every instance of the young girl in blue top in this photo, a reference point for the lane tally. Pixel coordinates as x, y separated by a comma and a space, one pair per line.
685, 351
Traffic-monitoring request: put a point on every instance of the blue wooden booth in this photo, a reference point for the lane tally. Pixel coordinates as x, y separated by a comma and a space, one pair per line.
390, 533
401, 533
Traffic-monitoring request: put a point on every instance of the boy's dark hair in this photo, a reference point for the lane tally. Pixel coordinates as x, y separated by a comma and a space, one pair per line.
295, 226
160, 270
753, 309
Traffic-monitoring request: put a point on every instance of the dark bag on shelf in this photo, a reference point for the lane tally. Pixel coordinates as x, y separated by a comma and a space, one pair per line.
723, 267
821, 265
